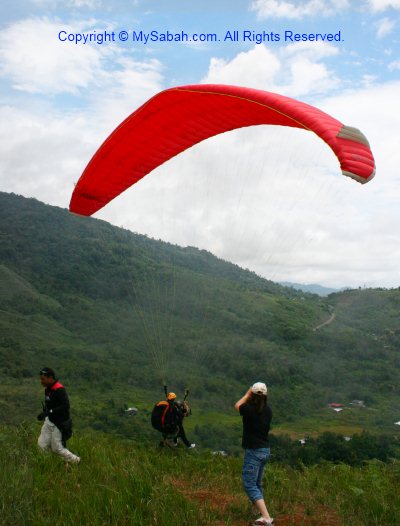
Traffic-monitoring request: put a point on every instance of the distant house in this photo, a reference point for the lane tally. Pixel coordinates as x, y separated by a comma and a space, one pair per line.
302, 441
336, 407
397, 423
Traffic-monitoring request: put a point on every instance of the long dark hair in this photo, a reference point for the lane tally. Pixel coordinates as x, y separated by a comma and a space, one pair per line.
259, 401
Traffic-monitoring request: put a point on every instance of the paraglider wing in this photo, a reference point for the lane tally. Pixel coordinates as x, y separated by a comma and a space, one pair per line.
178, 118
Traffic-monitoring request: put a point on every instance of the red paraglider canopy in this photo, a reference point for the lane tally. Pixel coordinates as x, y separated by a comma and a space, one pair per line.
178, 118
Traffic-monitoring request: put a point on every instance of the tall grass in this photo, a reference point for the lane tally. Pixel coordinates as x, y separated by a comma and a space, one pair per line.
122, 483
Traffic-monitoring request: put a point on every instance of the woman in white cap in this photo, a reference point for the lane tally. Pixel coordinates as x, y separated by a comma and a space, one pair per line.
256, 416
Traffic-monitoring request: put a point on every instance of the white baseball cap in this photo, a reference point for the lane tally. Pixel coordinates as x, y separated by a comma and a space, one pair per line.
259, 388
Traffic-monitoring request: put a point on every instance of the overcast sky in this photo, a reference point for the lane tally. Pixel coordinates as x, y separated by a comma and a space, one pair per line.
269, 199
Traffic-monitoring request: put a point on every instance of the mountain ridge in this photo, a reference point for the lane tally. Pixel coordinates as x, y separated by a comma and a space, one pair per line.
123, 313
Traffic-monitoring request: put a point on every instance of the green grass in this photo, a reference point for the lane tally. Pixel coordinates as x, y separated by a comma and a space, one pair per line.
121, 483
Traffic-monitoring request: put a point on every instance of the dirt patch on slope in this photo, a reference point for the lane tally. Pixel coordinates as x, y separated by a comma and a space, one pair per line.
300, 516
222, 503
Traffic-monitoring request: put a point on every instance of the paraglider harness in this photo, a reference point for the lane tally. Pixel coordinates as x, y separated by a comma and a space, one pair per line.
167, 415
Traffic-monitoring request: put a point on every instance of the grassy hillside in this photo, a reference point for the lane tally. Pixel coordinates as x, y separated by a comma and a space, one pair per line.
120, 483
117, 314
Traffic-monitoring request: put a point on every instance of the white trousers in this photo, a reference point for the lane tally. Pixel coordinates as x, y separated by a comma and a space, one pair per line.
51, 439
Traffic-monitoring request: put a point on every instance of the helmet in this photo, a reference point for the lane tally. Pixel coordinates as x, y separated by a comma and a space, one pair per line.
171, 396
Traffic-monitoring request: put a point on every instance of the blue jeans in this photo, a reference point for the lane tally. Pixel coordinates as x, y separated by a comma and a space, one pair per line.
254, 463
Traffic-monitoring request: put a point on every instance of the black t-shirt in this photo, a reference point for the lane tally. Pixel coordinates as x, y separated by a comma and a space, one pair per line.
255, 426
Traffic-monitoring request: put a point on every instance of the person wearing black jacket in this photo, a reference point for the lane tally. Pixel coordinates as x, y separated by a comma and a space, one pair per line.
182, 411
57, 425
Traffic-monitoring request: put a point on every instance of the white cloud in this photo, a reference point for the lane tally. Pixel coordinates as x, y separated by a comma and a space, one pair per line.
368, 80
41, 155
33, 58
313, 8
385, 27
54, 4
258, 64
312, 50
375, 220
382, 5
124, 88
44, 152
307, 73
35, 61
308, 77
44, 148
394, 65
294, 70
92, 4
297, 10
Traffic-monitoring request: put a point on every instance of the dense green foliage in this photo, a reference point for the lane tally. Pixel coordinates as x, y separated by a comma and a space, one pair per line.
332, 447
117, 313
118, 483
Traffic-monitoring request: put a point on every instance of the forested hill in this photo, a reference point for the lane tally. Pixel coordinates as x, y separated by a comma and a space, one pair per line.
62, 241
118, 313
